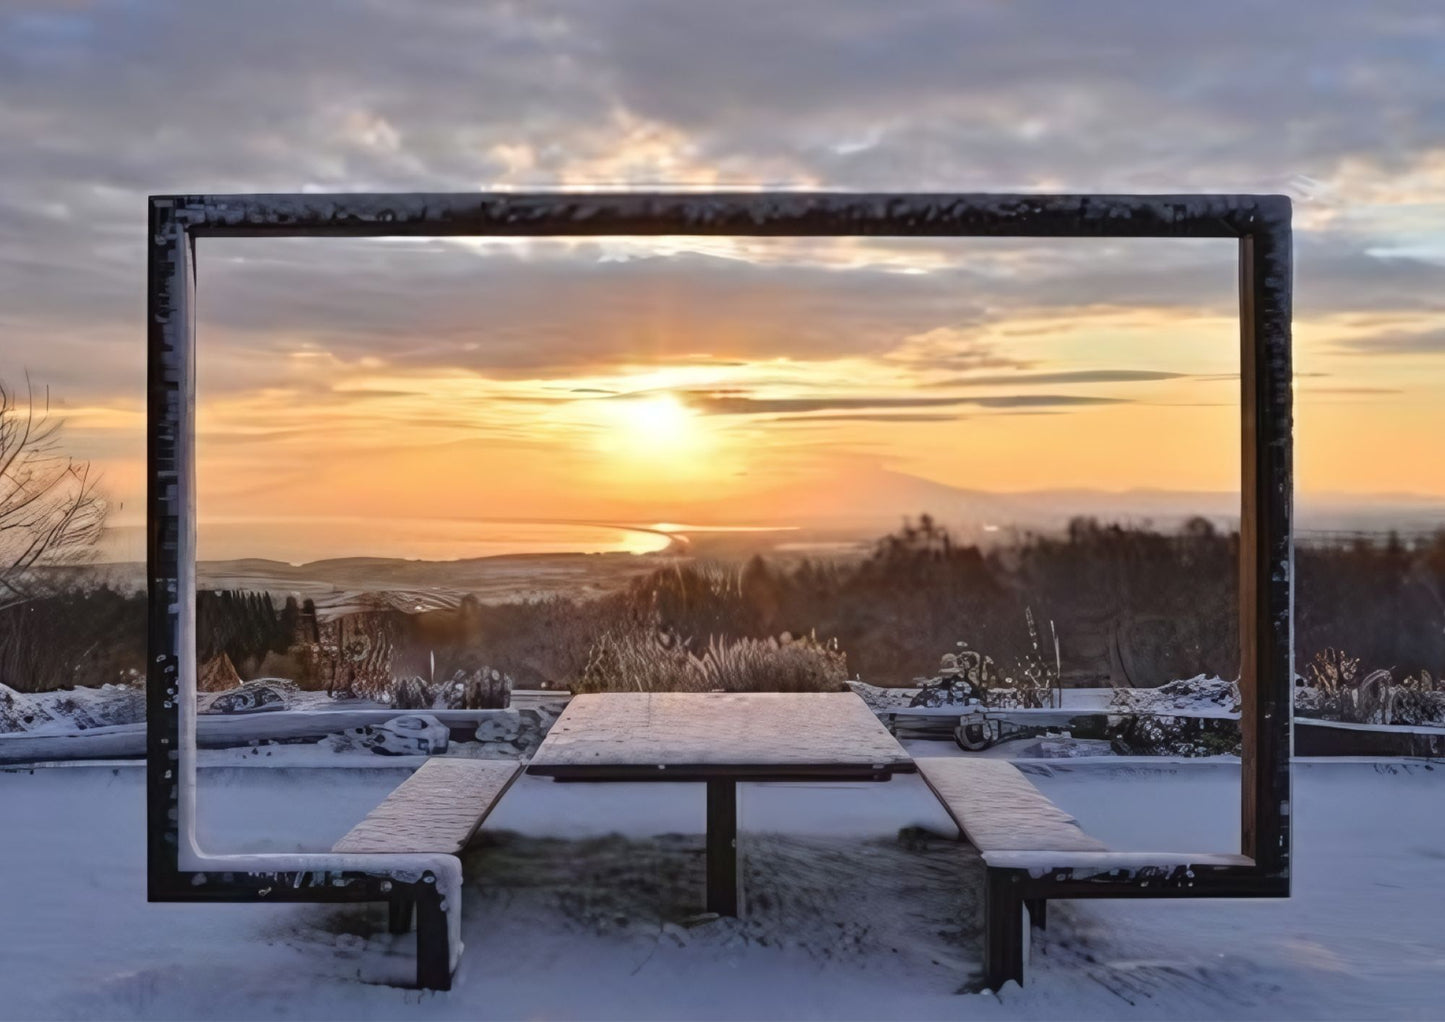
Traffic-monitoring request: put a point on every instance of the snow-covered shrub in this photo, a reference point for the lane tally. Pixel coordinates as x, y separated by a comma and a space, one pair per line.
881, 700
964, 678
410, 694
642, 660
250, 697
1333, 689
654, 660
783, 664
1416, 700
20, 711
1186, 694
1165, 721
1034, 681
1147, 734
484, 688
73, 709
971, 677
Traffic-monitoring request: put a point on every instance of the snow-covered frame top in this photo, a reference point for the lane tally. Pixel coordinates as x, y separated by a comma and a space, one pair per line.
179, 870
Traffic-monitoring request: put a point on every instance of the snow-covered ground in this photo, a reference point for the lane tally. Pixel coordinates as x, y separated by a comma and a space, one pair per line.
577, 905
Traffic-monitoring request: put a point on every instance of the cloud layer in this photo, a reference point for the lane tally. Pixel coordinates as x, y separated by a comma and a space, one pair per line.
102, 103
1334, 102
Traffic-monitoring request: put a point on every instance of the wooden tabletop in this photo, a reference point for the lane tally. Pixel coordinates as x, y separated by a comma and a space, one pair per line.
685, 736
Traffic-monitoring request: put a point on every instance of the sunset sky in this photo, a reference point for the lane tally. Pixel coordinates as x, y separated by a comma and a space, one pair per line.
640, 379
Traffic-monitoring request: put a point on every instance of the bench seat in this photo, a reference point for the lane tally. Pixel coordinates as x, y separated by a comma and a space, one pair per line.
437, 809
998, 808
1035, 851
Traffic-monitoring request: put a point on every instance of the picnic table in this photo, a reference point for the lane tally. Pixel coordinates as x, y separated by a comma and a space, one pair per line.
719, 738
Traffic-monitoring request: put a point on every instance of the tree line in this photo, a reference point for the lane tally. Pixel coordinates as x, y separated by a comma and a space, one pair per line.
1131, 606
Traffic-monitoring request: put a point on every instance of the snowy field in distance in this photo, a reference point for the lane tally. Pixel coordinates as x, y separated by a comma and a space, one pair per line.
563, 921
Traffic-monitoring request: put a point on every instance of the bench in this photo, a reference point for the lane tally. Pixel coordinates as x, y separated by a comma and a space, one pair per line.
1034, 851
437, 810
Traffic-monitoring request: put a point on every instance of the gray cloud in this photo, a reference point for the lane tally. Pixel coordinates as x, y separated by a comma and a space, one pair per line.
730, 403
1068, 376
1044, 401
101, 104
866, 417
1353, 390
1113, 96
507, 315
1427, 342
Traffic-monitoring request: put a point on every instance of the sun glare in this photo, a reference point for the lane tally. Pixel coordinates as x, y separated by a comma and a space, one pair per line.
658, 445
656, 416
658, 424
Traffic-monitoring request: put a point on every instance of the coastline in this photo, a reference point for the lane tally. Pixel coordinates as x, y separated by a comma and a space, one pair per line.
299, 542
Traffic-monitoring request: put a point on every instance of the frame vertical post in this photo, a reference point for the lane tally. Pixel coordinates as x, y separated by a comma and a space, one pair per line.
170, 535
1266, 553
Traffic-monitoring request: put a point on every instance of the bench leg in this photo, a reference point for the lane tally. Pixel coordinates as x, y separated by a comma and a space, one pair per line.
1038, 912
1004, 934
433, 950
722, 847
398, 913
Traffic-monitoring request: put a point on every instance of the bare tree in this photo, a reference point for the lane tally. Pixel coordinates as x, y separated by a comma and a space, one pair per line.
50, 509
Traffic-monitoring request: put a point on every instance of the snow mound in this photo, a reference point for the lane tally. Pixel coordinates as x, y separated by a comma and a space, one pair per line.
1184, 696
1180, 718
71, 709
882, 700
256, 696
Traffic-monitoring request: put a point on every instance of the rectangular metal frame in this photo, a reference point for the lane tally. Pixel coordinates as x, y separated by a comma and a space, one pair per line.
179, 871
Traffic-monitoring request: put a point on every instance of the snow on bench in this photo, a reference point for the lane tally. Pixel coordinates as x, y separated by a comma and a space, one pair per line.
999, 809
1035, 851
1015, 826
437, 809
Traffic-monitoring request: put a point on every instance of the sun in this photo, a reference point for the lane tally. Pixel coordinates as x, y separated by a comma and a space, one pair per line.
657, 416
654, 446
656, 426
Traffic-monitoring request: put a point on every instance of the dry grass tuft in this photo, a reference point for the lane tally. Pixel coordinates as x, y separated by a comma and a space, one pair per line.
654, 660
1335, 690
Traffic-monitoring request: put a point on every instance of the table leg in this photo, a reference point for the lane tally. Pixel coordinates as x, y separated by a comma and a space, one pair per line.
722, 847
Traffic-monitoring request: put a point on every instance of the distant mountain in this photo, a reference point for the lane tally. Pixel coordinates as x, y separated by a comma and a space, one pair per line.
858, 503
875, 500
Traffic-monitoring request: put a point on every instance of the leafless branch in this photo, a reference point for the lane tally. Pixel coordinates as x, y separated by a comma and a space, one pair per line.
51, 510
